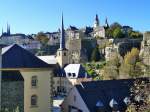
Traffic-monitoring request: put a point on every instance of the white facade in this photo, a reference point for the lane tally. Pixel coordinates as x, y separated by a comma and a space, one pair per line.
99, 31
74, 99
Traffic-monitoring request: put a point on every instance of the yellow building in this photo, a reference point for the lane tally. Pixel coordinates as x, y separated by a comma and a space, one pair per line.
35, 81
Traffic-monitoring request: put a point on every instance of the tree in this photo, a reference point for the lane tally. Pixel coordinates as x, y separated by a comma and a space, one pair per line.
132, 65
114, 30
132, 57
117, 33
115, 25
135, 34
95, 54
42, 38
109, 33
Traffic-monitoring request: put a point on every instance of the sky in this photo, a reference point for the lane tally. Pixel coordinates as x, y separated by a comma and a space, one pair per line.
32, 16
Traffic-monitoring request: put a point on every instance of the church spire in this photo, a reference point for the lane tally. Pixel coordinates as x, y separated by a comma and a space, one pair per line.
2, 31
62, 39
106, 23
96, 24
62, 52
8, 29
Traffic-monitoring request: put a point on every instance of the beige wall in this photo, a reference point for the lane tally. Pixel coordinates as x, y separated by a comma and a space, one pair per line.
68, 83
42, 90
78, 103
64, 82
99, 31
62, 57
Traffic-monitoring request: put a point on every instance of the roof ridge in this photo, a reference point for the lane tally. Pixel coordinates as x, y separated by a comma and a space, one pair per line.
5, 49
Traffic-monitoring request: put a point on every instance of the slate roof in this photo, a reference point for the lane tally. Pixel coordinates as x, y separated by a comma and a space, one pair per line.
12, 76
105, 91
75, 71
58, 71
88, 30
73, 28
20, 35
50, 59
15, 56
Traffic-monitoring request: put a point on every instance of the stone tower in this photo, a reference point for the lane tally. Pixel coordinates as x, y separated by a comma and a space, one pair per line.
96, 22
62, 52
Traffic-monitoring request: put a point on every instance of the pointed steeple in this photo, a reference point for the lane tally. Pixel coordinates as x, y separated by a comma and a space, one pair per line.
62, 39
2, 31
106, 23
96, 18
96, 23
8, 29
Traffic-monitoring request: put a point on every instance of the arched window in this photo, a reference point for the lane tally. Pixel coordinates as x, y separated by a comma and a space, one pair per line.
34, 81
34, 99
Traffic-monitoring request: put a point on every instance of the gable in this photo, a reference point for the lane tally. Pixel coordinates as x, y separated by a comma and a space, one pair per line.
104, 91
17, 57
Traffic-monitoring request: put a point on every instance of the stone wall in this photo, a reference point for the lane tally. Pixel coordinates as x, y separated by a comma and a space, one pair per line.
74, 47
145, 48
13, 95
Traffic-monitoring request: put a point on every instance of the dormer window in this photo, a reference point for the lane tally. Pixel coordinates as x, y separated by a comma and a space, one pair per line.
69, 74
113, 104
127, 100
100, 106
138, 98
73, 74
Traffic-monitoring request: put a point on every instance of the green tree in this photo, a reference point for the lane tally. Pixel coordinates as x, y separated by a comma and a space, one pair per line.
95, 55
110, 32
132, 65
135, 34
117, 33
132, 57
115, 25
42, 38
